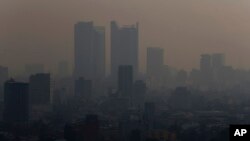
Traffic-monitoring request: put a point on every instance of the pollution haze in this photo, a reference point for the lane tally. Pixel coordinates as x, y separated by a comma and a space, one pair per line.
42, 31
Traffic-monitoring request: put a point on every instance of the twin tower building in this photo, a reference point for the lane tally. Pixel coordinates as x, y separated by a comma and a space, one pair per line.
90, 50
89, 64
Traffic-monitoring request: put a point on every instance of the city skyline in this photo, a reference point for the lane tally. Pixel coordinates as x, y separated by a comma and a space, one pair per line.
181, 28
97, 46
115, 70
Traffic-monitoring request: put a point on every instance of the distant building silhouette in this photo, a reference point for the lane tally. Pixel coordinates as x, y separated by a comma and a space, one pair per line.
220, 70
206, 71
83, 49
125, 80
89, 51
4, 74
181, 78
40, 88
83, 88
155, 61
16, 101
99, 53
124, 47
218, 60
205, 62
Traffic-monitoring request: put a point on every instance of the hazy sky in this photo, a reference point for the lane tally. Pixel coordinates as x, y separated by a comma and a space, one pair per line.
42, 30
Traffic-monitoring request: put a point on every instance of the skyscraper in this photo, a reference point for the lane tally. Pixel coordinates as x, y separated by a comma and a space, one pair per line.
124, 47
206, 75
219, 69
205, 62
16, 101
3, 77
155, 61
218, 60
89, 51
99, 53
40, 88
125, 80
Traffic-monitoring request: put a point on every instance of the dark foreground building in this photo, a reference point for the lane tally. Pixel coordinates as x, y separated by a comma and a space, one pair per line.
3, 77
16, 101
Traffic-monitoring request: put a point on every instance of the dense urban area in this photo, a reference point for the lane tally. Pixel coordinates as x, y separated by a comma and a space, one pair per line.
88, 104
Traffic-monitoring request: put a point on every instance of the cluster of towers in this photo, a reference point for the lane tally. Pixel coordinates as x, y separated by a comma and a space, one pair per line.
89, 70
90, 50
21, 97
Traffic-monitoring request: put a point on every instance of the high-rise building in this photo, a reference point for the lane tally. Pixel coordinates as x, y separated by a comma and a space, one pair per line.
205, 62
99, 53
89, 51
124, 47
83, 49
181, 78
219, 71
155, 61
125, 80
16, 101
40, 88
206, 75
83, 88
3, 77
218, 60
